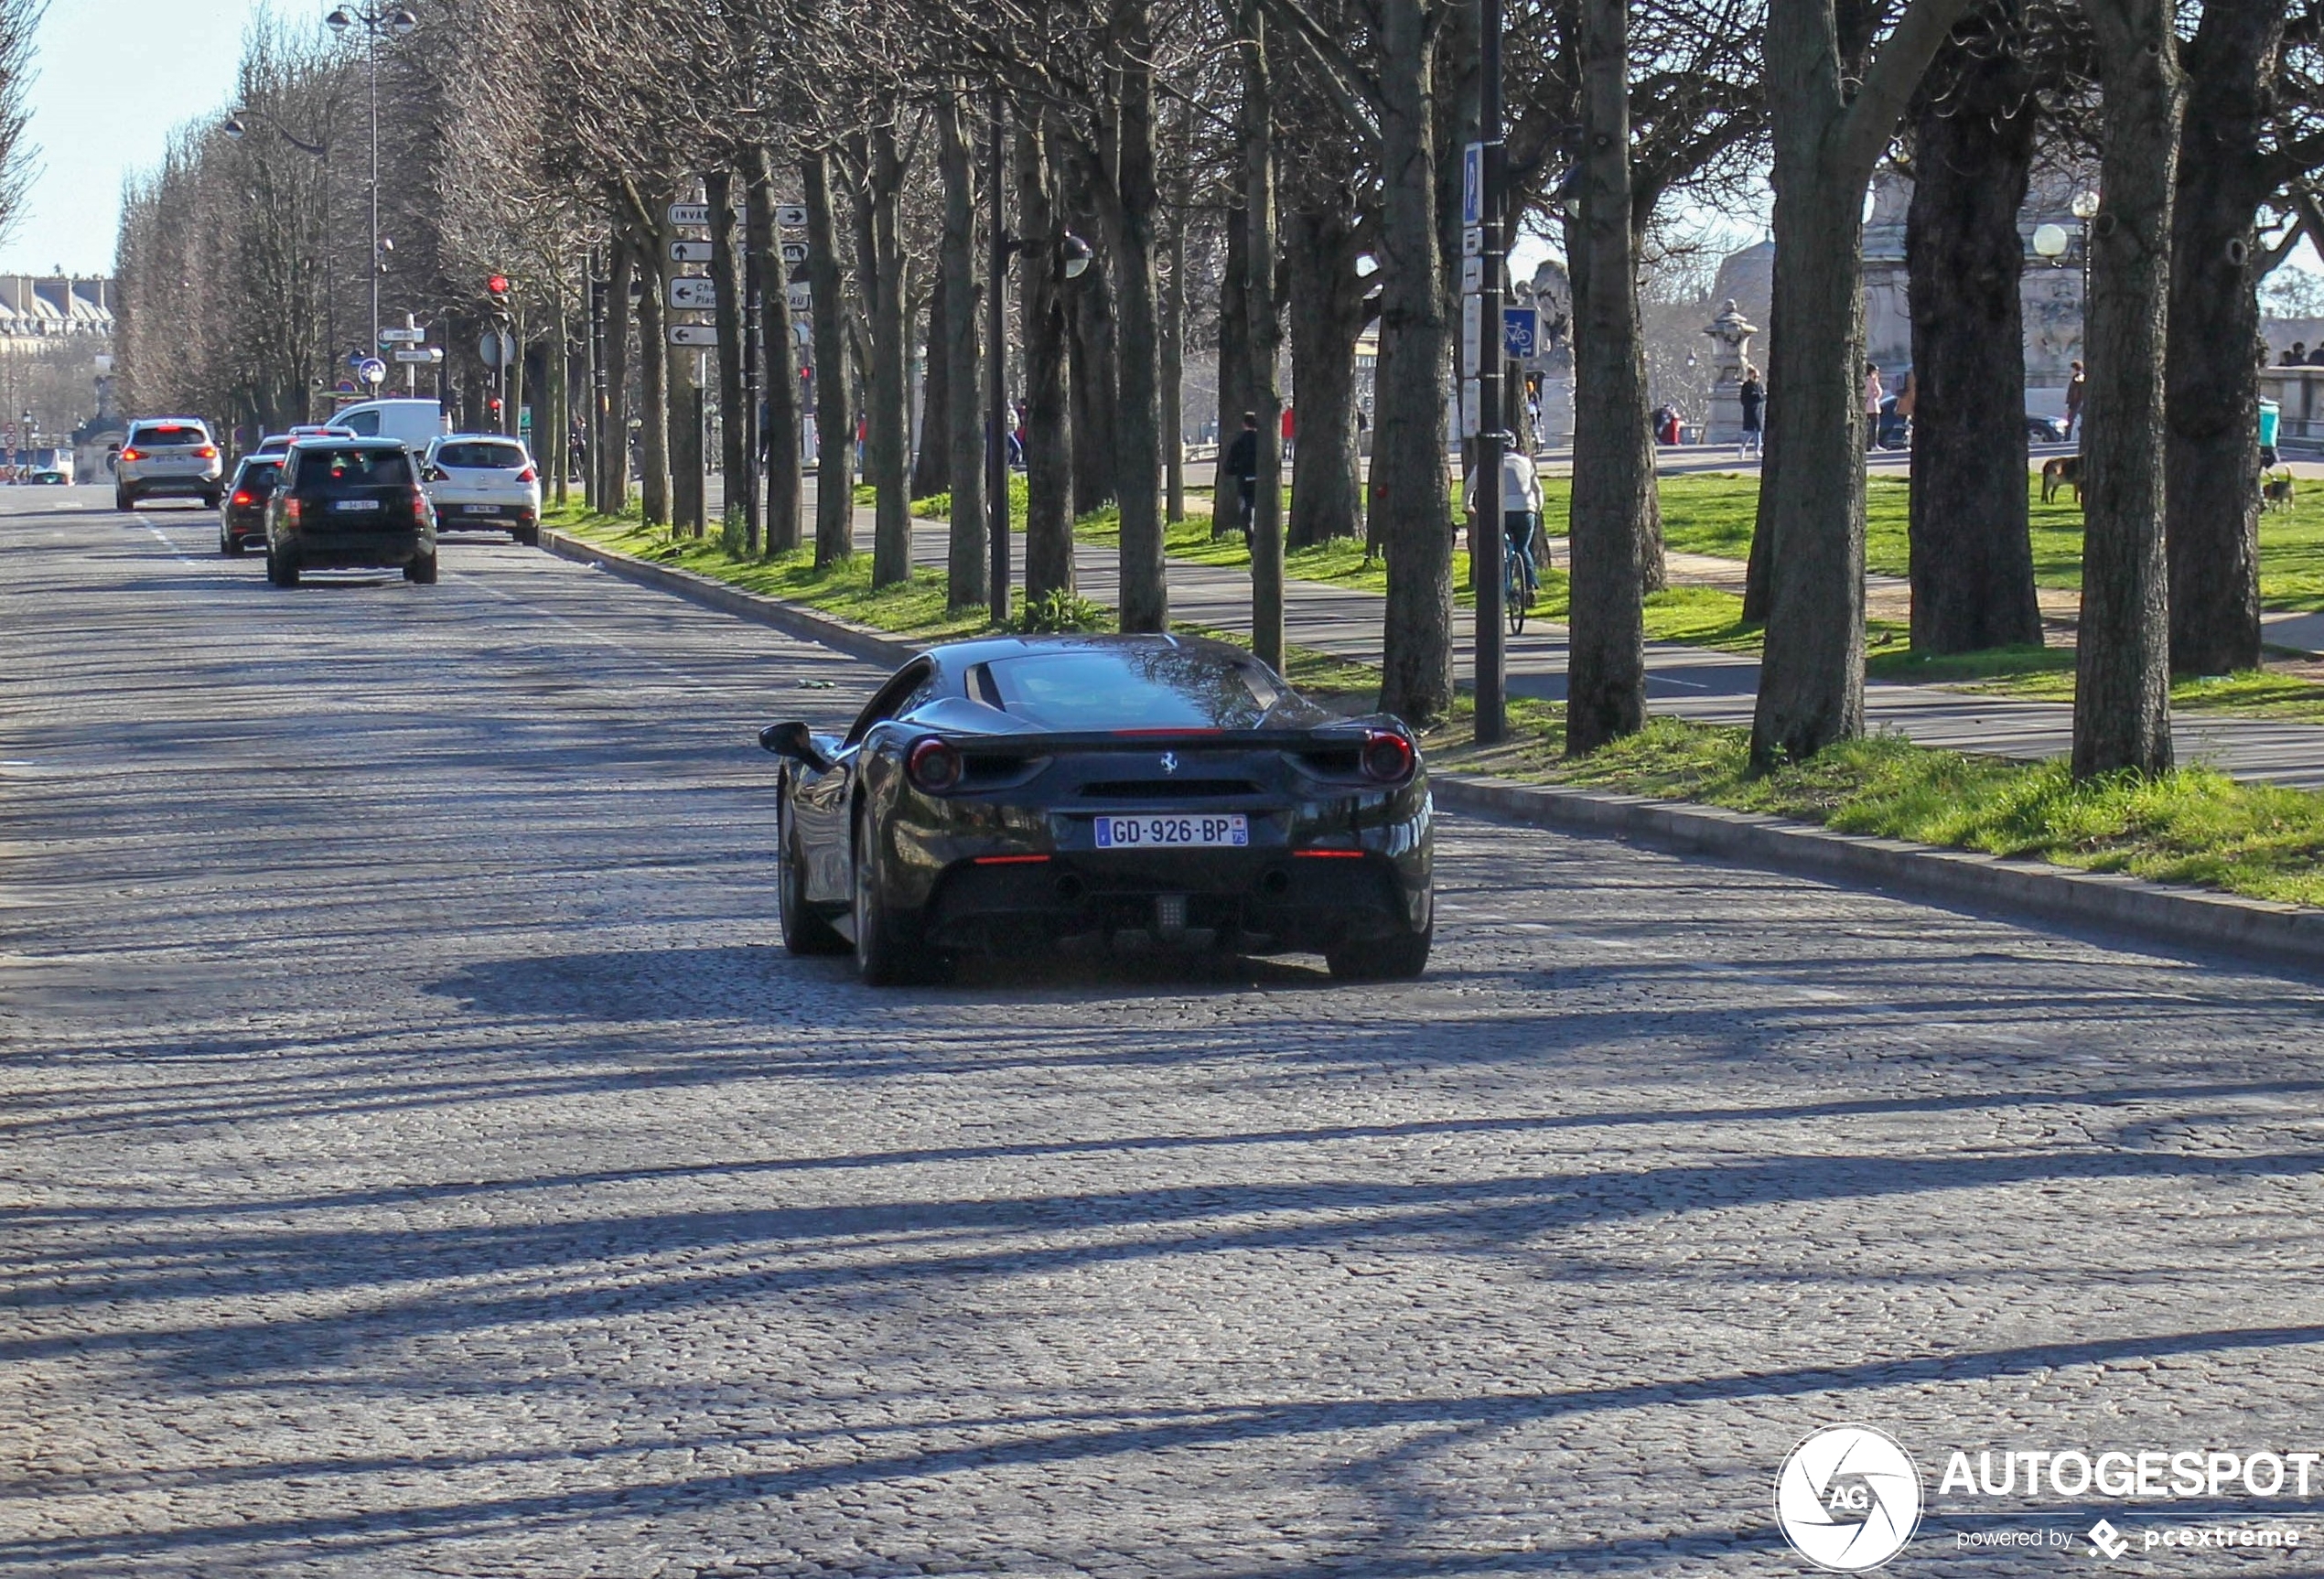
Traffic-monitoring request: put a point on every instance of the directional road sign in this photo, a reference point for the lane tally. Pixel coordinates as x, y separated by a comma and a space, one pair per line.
797, 295
794, 251
690, 252
693, 293
690, 213
694, 334
401, 337
791, 216
418, 354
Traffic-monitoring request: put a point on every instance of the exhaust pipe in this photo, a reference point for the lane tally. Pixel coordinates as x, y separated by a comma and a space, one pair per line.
1068, 887
1274, 885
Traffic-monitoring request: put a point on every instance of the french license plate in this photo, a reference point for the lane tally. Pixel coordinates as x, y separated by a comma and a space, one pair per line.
355, 504
1218, 830
480, 510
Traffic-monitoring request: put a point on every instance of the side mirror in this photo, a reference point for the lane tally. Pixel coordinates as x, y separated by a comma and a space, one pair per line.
795, 741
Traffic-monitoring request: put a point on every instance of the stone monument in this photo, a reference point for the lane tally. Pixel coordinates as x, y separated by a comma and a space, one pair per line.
1730, 335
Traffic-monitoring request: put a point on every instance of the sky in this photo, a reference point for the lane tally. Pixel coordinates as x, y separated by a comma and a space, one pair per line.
115, 77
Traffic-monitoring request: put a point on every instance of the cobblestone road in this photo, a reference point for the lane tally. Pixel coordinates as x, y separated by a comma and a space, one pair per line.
417, 1158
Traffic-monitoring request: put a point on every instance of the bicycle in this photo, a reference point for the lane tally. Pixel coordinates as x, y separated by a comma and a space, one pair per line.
1519, 593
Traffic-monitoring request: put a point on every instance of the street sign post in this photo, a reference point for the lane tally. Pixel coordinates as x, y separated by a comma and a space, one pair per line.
791, 216
694, 334
1472, 275
690, 252
798, 295
419, 354
1472, 334
1521, 333
794, 251
401, 337
693, 293
497, 350
685, 215
1472, 184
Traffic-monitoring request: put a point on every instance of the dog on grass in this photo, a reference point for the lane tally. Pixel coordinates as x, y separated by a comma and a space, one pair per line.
2276, 493
2061, 472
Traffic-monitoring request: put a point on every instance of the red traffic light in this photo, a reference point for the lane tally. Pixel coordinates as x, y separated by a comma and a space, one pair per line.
496, 405
498, 285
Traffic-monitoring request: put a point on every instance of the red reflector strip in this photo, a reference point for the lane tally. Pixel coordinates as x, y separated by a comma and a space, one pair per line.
1329, 855
1008, 860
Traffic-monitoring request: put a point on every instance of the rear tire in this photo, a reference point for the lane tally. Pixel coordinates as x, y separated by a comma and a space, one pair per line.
123, 500
888, 951
282, 567
209, 501
528, 536
1383, 958
804, 932
421, 572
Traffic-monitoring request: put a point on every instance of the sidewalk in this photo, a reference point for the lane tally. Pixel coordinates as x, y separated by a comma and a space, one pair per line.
1692, 682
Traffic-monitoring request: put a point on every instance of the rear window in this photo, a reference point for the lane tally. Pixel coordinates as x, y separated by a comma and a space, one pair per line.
163, 433
1132, 688
481, 453
260, 475
349, 467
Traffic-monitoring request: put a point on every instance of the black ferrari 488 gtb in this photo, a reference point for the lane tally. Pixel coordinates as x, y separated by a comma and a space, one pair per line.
1022, 793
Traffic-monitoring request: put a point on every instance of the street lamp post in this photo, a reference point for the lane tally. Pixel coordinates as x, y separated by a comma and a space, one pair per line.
398, 23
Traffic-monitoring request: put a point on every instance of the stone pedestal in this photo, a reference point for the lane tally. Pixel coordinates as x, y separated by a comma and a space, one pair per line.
1557, 411
1730, 334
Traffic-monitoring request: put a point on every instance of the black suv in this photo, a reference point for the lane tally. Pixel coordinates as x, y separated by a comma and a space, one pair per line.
241, 520
350, 504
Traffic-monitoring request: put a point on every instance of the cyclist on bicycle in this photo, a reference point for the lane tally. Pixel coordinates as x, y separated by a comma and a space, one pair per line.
1521, 506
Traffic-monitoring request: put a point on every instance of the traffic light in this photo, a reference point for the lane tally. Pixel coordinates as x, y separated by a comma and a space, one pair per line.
495, 405
498, 288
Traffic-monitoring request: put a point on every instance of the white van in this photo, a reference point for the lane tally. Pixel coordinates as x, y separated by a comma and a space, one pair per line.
418, 423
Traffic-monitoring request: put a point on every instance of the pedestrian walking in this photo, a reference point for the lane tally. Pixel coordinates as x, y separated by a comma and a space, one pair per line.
1243, 465
1753, 396
2076, 387
1872, 394
1290, 432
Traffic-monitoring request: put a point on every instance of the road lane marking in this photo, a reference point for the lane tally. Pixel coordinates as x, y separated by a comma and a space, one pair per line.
165, 541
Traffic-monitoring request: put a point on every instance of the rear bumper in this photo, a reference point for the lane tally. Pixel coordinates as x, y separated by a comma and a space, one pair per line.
452, 515
382, 550
188, 485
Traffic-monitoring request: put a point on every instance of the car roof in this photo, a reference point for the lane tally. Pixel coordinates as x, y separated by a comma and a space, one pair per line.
959, 655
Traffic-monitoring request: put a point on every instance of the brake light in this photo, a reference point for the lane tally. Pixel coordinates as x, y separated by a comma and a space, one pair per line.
290, 510
207, 452
242, 496
933, 764
132, 455
1329, 855
1008, 860
1387, 756
528, 475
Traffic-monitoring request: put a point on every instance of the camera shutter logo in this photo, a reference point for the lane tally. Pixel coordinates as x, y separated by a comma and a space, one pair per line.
1847, 1499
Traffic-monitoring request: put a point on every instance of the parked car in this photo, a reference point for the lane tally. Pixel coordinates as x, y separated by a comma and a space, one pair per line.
418, 423
350, 504
168, 458
241, 520
1134, 792
479, 479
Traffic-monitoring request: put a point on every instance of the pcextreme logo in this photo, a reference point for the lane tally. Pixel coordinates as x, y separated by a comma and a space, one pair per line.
1847, 1499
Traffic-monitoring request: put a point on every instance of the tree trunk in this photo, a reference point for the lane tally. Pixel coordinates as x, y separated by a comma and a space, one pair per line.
2122, 668
1409, 478
1093, 384
613, 444
654, 368
834, 418
1267, 397
1971, 561
1129, 209
884, 460
1234, 366
2210, 458
734, 349
1826, 142
1613, 468
1049, 447
931, 457
778, 345
968, 572
1327, 311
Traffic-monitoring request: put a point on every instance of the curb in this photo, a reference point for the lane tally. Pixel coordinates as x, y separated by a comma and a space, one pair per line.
2288, 934
2189, 918
828, 631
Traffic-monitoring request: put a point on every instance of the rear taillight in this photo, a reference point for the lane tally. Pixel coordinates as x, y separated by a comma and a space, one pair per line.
290, 510
528, 475
132, 455
933, 764
240, 496
207, 452
1387, 756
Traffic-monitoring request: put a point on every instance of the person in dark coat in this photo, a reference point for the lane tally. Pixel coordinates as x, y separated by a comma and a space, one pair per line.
1753, 396
1243, 465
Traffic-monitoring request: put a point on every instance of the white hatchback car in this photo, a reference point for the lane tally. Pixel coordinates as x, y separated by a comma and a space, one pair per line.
483, 480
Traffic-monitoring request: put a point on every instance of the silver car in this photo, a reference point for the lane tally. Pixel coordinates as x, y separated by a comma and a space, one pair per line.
483, 480
168, 458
